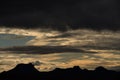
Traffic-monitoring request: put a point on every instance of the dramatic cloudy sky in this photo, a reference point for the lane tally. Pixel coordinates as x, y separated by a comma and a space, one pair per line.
78, 13
48, 49
90, 35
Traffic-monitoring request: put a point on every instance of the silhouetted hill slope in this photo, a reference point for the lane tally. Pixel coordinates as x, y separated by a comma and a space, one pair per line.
21, 71
28, 72
24, 69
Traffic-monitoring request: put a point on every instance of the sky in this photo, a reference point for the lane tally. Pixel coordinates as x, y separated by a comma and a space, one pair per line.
60, 33
98, 14
50, 49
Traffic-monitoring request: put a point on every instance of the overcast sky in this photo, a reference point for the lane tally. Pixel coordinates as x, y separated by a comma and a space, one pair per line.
95, 13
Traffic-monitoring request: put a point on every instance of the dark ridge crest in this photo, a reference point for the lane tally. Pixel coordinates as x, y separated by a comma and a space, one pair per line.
28, 72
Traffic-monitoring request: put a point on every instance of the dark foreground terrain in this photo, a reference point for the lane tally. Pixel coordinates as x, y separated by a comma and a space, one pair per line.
28, 72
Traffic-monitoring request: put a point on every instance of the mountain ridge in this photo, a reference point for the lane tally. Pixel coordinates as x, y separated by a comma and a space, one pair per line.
28, 72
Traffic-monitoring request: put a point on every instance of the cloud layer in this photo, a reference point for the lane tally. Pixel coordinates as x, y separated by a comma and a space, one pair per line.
85, 48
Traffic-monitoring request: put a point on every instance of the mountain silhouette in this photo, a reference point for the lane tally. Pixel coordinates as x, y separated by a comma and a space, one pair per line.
24, 69
28, 72
21, 72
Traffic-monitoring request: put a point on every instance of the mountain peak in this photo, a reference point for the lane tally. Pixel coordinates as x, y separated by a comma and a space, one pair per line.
100, 68
24, 68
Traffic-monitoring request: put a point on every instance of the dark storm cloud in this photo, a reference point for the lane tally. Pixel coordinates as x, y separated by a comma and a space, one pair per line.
90, 13
108, 47
43, 49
